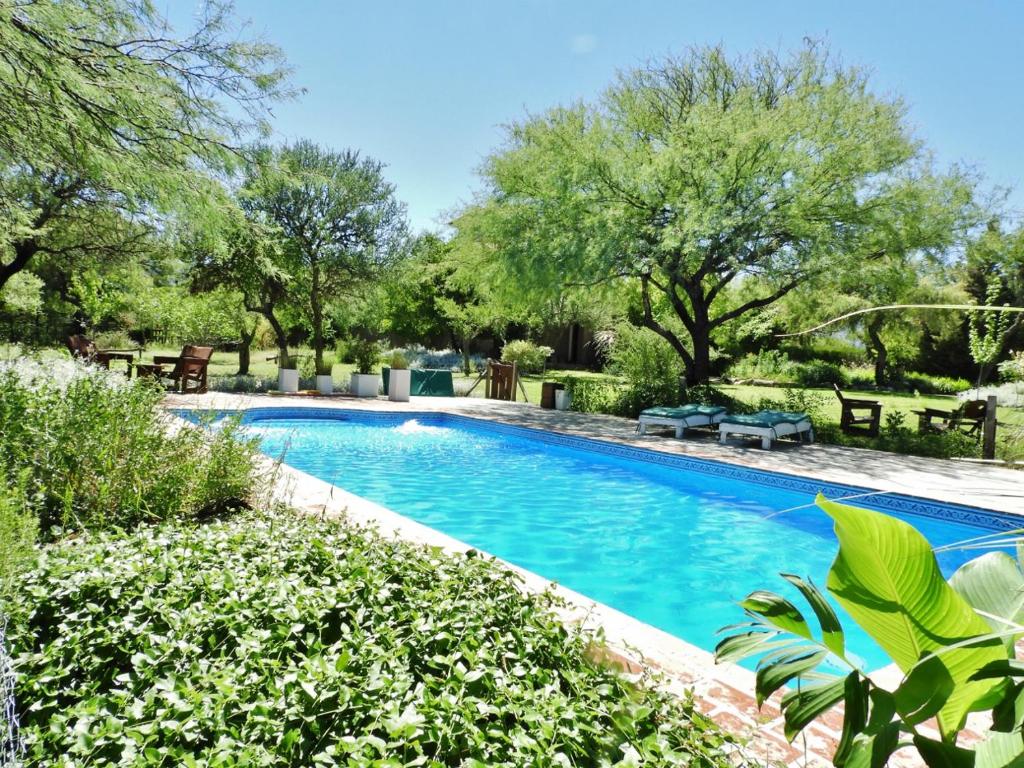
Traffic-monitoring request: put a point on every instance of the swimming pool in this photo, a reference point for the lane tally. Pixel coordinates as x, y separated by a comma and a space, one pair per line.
672, 541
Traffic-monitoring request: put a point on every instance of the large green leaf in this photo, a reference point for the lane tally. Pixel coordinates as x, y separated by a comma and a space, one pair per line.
886, 577
831, 630
802, 704
994, 584
1000, 750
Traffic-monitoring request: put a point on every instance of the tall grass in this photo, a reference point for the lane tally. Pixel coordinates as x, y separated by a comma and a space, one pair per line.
94, 451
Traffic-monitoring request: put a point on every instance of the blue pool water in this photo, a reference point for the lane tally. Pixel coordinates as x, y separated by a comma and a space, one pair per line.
675, 548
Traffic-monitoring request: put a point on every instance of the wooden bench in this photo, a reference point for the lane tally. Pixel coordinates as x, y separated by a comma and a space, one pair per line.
858, 417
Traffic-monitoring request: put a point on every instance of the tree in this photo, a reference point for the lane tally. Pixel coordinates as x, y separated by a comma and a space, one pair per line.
244, 256
101, 105
338, 218
700, 173
995, 276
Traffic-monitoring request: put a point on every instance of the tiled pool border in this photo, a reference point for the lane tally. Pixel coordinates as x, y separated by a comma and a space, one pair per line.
886, 501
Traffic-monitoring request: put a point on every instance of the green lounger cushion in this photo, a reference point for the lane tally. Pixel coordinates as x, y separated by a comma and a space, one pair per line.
767, 419
683, 411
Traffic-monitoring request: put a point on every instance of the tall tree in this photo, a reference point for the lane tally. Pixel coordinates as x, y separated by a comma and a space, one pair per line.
102, 104
338, 218
696, 173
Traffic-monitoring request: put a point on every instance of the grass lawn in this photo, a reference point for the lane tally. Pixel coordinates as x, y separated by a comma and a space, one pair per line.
905, 402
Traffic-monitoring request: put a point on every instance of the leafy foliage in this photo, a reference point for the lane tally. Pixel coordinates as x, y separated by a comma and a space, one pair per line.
953, 660
594, 192
276, 640
338, 221
109, 112
94, 451
528, 356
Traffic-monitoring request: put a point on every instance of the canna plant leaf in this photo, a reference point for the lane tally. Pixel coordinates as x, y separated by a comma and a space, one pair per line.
887, 578
994, 584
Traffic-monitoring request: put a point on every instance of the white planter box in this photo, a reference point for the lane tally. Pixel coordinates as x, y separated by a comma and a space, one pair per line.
288, 379
399, 382
365, 384
324, 384
563, 399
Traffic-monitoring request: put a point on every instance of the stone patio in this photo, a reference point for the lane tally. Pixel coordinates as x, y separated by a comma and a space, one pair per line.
724, 692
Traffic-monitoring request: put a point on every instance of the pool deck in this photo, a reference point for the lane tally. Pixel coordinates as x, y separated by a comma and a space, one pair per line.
724, 692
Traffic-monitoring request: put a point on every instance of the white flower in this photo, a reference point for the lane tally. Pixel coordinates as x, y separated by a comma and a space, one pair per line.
58, 374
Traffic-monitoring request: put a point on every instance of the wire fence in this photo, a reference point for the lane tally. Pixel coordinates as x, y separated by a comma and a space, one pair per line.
10, 742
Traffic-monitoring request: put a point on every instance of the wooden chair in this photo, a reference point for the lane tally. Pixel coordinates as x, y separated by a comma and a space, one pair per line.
83, 348
853, 419
501, 381
188, 374
969, 418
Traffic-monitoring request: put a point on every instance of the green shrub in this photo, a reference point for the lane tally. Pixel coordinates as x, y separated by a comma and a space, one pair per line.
829, 350
819, 374
326, 366
649, 366
528, 357
770, 364
283, 641
935, 385
365, 354
594, 395
95, 451
860, 377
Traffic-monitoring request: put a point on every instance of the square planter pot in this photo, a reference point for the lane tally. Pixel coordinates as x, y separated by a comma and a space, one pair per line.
324, 384
365, 384
288, 379
399, 382
563, 399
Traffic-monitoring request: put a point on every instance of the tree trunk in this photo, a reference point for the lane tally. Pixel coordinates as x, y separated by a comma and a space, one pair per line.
464, 342
24, 250
245, 351
317, 316
698, 371
874, 329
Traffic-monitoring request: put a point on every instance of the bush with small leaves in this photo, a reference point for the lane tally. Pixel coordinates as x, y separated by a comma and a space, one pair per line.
276, 640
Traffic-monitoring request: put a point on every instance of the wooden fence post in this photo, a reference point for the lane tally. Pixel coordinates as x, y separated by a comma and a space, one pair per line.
988, 434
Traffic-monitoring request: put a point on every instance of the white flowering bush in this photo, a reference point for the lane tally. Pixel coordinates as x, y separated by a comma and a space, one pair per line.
58, 375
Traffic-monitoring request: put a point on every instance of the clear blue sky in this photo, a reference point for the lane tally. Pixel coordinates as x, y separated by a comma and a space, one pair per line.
425, 86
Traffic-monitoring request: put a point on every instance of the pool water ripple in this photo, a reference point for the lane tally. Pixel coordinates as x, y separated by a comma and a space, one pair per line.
674, 548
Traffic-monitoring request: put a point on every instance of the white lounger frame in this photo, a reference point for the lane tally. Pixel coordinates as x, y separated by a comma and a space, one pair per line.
679, 424
767, 434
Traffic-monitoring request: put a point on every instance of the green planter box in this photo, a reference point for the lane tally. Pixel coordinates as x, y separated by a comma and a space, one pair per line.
426, 382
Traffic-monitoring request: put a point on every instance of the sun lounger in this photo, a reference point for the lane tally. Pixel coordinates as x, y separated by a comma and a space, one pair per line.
768, 425
682, 418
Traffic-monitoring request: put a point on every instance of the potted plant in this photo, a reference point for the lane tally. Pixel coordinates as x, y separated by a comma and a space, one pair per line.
399, 379
365, 383
324, 381
287, 373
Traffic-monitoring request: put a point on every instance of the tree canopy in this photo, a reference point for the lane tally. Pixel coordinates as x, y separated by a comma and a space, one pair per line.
703, 172
337, 217
102, 104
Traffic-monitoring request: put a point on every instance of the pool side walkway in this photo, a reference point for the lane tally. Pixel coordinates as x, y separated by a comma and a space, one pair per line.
724, 692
